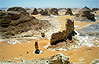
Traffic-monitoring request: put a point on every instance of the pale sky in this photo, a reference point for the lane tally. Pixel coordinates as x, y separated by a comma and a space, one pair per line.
49, 3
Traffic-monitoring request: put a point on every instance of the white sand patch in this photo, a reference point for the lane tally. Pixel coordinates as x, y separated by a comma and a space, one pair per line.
76, 26
13, 42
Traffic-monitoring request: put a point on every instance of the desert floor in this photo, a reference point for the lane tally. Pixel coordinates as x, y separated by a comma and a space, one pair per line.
19, 51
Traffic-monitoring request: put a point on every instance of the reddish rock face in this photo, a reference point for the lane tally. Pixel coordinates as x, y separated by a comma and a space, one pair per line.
62, 36
35, 12
68, 12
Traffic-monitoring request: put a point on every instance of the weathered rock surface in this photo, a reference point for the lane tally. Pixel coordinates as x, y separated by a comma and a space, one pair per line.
13, 22
68, 12
35, 12
62, 36
44, 13
53, 11
18, 9
56, 59
85, 15
4, 18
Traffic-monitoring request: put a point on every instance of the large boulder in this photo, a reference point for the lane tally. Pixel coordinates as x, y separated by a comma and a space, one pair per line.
66, 34
19, 9
68, 12
85, 15
53, 11
35, 12
44, 12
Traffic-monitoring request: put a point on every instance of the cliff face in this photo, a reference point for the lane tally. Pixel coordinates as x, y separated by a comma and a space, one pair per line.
65, 34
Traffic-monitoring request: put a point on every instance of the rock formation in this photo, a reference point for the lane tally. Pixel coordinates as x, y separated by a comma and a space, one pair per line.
35, 12
66, 34
86, 8
44, 13
85, 15
68, 12
14, 22
95, 9
53, 11
37, 51
18, 9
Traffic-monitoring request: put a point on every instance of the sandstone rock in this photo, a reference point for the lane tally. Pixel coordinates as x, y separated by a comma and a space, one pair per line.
68, 12
53, 11
62, 36
44, 12
18, 9
35, 12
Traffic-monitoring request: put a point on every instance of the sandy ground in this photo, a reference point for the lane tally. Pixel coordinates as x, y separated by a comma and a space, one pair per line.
24, 51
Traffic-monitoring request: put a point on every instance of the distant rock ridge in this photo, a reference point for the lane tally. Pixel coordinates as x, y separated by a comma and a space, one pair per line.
53, 11
35, 12
69, 12
85, 15
44, 12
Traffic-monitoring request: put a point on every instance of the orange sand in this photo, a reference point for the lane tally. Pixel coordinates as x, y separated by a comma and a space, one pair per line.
17, 51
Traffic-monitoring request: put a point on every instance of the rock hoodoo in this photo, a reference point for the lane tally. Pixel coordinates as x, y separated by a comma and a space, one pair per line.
66, 34
85, 15
35, 12
53, 11
68, 12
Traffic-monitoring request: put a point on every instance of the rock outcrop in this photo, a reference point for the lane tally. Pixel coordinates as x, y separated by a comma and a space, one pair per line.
44, 13
14, 22
53, 11
68, 12
18, 9
66, 34
85, 15
95, 9
35, 12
